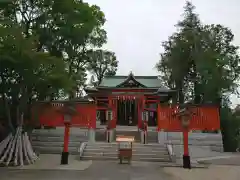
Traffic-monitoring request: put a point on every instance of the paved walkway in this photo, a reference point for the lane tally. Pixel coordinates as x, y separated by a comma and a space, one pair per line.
52, 162
212, 173
49, 168
96, 171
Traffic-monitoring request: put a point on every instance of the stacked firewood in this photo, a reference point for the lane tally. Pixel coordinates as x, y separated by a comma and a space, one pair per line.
16, 150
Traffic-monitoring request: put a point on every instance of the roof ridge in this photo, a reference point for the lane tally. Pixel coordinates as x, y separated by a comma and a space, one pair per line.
121, 76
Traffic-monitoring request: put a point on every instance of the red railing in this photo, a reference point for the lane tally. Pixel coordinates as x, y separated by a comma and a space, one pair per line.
203, 118
85, 116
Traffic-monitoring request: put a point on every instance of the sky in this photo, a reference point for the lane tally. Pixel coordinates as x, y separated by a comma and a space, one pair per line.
136, 28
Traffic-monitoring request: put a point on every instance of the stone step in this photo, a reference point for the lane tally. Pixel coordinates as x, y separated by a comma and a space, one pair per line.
145, 150
54, 150
141, 152
139, 147
55, 144
158, 159
98, 158
58, 139
116, 150
57, 136
134, 144
136, 155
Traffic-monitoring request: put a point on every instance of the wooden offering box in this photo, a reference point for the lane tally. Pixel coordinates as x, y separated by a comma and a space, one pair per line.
125, 148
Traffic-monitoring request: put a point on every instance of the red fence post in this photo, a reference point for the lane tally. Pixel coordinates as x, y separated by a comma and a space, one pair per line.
186, 157
65, 153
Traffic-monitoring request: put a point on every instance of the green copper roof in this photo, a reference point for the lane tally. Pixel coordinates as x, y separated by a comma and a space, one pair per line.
148, 81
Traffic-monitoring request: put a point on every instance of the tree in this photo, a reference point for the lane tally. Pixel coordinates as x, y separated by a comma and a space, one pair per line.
198, 55
201, 62
177, 65
77, 27
43, 55
102, 63
65, 28
23, 72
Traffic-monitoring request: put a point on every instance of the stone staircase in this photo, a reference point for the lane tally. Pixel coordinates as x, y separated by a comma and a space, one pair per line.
141, 152
45, 142
152, 136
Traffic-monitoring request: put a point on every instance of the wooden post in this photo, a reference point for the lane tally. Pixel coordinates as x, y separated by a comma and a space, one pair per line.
186, 157
65, 153
158, 121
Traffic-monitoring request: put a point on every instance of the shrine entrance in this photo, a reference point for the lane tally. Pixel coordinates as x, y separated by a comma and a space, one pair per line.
127, 112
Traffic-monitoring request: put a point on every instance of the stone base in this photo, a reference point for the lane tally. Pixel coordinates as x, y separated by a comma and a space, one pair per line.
64, 158
91, 135
186, 162
111, 135
143, 137
159, 137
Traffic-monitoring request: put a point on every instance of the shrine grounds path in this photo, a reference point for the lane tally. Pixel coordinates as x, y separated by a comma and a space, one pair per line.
106, 170
97, 171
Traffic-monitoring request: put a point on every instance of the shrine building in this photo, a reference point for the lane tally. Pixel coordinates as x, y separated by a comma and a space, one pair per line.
138, 101
128, 97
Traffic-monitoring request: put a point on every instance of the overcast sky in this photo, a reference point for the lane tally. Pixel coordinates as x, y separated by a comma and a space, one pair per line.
136, 28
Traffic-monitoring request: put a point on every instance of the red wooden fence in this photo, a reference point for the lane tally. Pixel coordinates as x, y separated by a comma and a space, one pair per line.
51, 116
203, 118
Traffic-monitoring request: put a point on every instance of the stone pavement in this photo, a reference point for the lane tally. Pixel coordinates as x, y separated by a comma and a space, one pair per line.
220, 168
212, 173
97, 171
48, 168
52, 162
233, 160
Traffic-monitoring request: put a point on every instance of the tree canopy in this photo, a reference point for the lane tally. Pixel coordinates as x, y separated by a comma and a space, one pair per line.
200, 60
44, 51
102, 63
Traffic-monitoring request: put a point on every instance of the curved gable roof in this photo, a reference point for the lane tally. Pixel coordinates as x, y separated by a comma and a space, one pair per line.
145, 81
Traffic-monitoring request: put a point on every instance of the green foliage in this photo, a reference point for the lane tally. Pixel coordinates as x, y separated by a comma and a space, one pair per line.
44, 47
201, 62
26, 73
230, 128
102, 63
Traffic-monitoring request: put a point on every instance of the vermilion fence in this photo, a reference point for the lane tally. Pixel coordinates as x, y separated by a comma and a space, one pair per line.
85, 115
203, 118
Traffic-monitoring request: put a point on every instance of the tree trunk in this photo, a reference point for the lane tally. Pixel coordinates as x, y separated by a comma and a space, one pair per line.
179, 87
8, 113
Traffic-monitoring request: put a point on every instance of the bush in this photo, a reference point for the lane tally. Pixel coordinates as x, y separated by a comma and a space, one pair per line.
230, 125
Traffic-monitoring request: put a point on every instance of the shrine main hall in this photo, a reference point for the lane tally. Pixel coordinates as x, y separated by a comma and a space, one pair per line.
128, 97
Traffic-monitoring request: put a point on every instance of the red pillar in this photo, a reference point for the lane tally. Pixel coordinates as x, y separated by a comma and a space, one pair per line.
64, 158
186, 157
141, 103
185, 141
139, 113
158, 117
